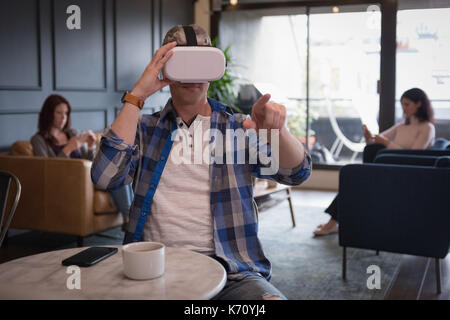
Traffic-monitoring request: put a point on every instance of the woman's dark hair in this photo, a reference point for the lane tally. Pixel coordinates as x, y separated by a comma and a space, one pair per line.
47, 113
425, 111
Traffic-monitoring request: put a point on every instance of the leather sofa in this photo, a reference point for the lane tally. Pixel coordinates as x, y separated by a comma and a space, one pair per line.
58, 194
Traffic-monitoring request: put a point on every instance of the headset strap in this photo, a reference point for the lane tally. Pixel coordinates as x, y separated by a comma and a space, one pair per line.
191, 38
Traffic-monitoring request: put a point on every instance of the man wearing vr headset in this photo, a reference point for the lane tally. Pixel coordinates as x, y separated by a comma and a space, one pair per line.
205, 207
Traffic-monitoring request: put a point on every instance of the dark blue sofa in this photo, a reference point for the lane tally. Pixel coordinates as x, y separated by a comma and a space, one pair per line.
395, 207
441, 147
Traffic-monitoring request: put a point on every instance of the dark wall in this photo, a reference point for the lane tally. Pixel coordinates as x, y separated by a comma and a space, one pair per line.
91, 66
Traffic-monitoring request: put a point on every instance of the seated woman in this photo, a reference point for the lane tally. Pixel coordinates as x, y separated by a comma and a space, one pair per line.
56, 138
416, 131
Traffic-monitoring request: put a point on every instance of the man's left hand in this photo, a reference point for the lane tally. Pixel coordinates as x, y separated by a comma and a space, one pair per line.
266, 115
270, 115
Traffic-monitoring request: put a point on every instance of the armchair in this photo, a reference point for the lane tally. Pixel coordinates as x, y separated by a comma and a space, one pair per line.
441, 147
58, 195
406, 159
396, 208
426, 152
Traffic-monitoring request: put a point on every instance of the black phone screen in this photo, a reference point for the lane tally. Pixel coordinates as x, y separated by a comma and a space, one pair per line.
89, 256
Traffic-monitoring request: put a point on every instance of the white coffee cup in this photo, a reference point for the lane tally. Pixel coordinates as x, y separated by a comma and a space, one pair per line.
143, 260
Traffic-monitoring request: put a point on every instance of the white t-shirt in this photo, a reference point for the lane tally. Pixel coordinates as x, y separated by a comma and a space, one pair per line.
180, 213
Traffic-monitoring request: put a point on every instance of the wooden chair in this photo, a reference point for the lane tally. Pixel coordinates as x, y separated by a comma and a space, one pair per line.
5, 188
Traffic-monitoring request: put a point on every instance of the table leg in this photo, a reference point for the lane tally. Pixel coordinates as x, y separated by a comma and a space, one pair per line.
288, 190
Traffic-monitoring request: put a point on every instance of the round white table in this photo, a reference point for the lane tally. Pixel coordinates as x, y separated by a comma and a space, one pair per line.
188, 275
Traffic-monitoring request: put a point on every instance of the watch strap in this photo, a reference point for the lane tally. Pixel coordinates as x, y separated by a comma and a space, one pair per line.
128, 97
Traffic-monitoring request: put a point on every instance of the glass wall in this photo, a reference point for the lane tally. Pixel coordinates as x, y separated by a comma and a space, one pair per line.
344, 71
423, 60
272, 53
267, 52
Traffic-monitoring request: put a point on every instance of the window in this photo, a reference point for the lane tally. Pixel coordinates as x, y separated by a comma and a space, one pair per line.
338, 94
423, 60
344, 70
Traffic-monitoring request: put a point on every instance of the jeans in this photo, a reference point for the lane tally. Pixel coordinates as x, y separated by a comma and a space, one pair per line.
371, 151
332, 209
123, 197
249, 288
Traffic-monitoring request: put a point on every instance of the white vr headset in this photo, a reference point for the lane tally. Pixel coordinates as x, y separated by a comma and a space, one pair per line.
193, 63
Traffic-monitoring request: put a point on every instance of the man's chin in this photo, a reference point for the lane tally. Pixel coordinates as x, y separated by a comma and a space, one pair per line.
189, 101
187, 96
190, 87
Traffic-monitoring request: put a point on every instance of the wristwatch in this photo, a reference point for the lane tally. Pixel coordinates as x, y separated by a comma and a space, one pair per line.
127, 97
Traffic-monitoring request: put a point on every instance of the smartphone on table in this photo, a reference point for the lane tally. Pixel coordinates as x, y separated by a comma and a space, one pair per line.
89, 257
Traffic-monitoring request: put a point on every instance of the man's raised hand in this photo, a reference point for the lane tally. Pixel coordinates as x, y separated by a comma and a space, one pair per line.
149, 83
266, 115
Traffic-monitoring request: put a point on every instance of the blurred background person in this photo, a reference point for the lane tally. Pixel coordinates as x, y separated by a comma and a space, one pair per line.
56, 138
416, 131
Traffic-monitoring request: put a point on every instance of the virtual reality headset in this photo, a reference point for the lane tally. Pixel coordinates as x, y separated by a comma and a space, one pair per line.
193, 63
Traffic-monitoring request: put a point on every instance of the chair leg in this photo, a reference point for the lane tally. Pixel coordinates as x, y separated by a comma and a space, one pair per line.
291, 207
378, 252
5, 239
344, 263
80, 241
438, 275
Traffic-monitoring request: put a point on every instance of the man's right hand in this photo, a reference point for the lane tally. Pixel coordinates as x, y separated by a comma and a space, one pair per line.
149, 83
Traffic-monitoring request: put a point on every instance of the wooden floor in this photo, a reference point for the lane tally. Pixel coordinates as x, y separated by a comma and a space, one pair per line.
416, 280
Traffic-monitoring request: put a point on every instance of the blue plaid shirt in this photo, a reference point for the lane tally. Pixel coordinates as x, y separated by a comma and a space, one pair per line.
236, 243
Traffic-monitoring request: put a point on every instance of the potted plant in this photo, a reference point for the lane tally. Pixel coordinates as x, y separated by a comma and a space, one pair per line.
223, 90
